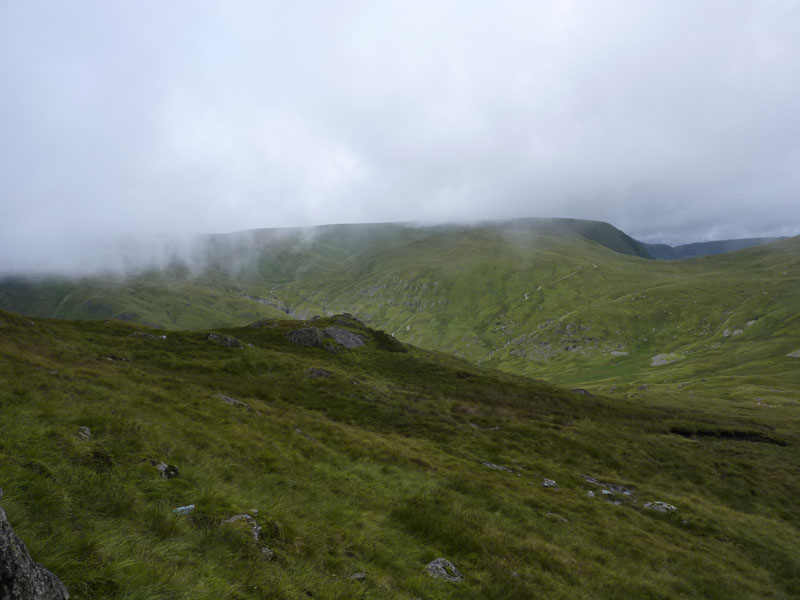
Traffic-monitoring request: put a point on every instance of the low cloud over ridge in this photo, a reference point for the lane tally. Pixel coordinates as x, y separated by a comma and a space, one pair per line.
676, 121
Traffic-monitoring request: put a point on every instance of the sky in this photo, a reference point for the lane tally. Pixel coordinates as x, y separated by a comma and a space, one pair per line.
675, 120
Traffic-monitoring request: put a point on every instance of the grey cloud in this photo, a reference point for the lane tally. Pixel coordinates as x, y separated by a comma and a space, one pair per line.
675, 121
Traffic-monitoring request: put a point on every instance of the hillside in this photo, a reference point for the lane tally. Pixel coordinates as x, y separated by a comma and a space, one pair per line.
358, 467
570, 301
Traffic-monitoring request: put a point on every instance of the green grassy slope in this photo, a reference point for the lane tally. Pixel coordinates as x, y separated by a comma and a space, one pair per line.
566, 300
376, 468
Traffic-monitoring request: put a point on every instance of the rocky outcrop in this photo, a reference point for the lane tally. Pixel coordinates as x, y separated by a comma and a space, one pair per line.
22, 578
313, 337
223, 340
307, 336
343, 337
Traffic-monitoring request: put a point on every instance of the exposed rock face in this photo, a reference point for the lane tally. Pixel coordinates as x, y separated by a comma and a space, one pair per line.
441, 568
22, 578
313, 336
346, 338
222, 340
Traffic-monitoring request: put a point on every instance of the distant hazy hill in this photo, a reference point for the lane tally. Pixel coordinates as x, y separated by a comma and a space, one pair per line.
698, 249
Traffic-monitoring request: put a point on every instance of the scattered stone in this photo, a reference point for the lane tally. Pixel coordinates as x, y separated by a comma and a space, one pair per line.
795, 354
255, 528
751, 322
235, 402
441, 568
495, 428
346, 338
84, 433
557, 517
21, 577
267, 553
310, 438
315, 373
147, 336
582, 391
497, 467
726, 333
549, 483
223, 340
167, 471
618, 353
737, 332
664, 359
660, 506
642, 387
590, 494
358, 577
183, 510
607, 492
115, 358
610, 488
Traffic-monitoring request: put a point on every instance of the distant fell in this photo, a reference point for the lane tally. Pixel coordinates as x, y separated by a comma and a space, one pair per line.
699, 249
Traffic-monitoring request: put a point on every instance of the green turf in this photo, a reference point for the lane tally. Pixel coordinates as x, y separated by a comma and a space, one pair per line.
377, 469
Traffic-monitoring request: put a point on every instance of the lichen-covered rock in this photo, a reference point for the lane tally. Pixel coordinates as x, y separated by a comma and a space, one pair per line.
22, 578
223, 340
441, 568
255, 528
660, 506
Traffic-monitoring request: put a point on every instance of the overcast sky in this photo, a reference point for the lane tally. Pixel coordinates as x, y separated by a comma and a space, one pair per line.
676, 120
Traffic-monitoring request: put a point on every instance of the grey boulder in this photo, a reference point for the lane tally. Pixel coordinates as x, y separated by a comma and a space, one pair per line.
21, 577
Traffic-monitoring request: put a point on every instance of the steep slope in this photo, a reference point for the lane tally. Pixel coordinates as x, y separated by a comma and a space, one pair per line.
373, 461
